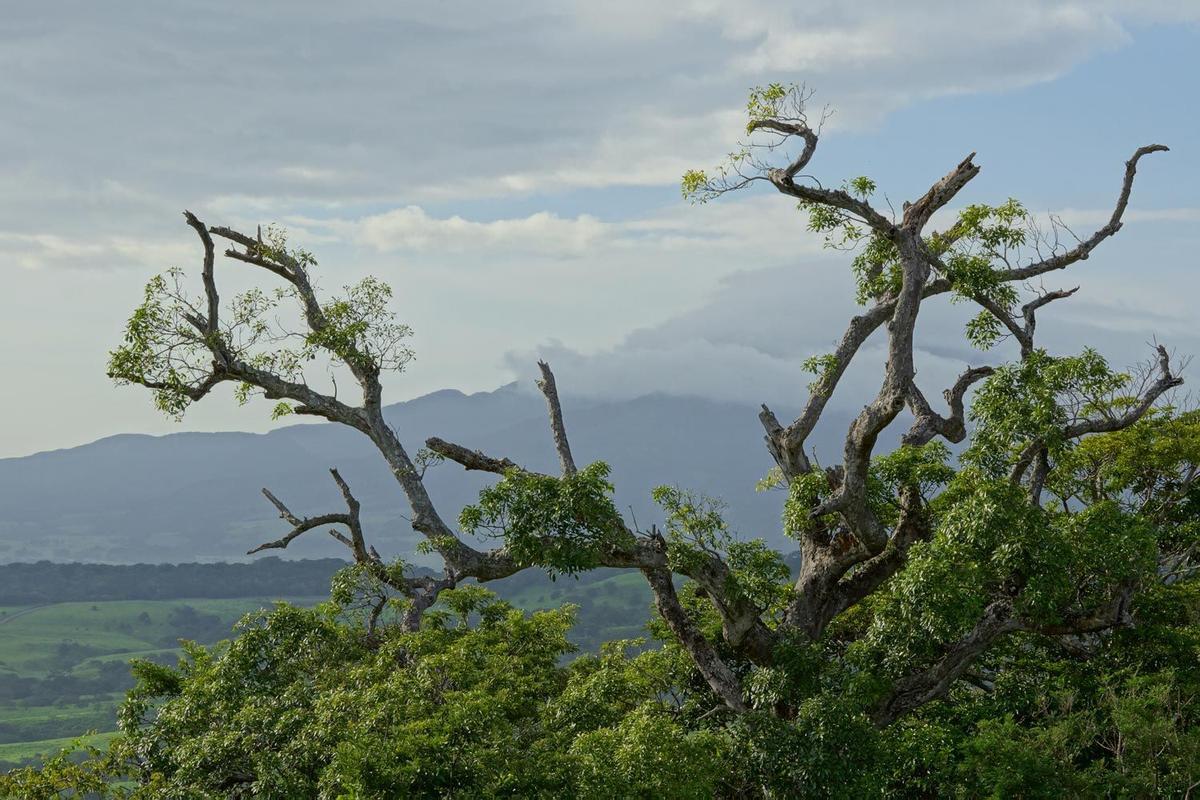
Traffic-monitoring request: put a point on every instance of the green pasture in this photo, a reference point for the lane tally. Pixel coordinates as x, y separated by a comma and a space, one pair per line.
83, 647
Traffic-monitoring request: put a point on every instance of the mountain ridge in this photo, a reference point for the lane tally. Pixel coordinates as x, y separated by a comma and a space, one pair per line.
194, 496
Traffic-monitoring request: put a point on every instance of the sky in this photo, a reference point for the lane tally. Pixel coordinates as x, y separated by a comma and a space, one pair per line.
512, 170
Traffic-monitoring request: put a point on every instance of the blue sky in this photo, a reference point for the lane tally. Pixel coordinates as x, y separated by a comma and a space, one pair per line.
514, 174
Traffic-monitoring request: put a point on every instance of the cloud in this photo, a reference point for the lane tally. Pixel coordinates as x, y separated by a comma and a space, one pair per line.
544, 235
37, 251
402, 103
511, 168
991, 45
644, 147
747, 341
119, 114
307, 174
547, 234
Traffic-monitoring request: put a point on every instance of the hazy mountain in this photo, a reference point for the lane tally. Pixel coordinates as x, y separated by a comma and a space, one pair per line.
195, 496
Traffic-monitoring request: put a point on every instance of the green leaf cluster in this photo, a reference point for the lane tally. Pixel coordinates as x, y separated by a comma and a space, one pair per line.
560, 524
1034, 400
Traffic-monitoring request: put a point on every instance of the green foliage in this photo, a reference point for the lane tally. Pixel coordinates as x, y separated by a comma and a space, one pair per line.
425, 458
877, 270
862, 187
561, 524
1034, 399
695, 528
984, 330
693, 185
274, 247
794, 676
983, 242
984, 532
823, 365
603, 687
1105, 547
166, 348
696, 534
161, 347
299, 704
810, 756
758, 573
648, 754
988, 539
698, 186
774, 479
1120, 723
1145, 469
482, 701
805, 493
997, 230
479, 703
1133, 742
327, 716
925, 468
975, 250
361, 331
766, 102
65, 774
772, 102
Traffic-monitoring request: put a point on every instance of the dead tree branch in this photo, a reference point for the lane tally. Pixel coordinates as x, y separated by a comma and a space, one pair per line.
469, 459
559, 431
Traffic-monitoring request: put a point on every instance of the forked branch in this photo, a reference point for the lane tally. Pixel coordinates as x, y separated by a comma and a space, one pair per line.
421, 591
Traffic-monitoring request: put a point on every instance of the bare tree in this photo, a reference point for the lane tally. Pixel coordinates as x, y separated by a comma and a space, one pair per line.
183, 347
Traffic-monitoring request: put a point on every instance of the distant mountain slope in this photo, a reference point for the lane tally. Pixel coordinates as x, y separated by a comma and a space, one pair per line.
195, 496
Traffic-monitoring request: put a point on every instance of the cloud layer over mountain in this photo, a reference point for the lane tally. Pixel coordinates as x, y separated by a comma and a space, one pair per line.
512, 171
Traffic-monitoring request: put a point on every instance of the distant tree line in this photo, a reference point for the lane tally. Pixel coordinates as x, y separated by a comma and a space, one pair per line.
48, 582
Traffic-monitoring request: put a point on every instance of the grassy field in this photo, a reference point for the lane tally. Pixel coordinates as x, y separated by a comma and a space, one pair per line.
64, 667
74, 636
28, 751
29, 643
612, 604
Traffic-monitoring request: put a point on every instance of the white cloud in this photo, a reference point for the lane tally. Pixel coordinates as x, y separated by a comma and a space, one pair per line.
36, 251
774, 228
865, 36
543, 233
